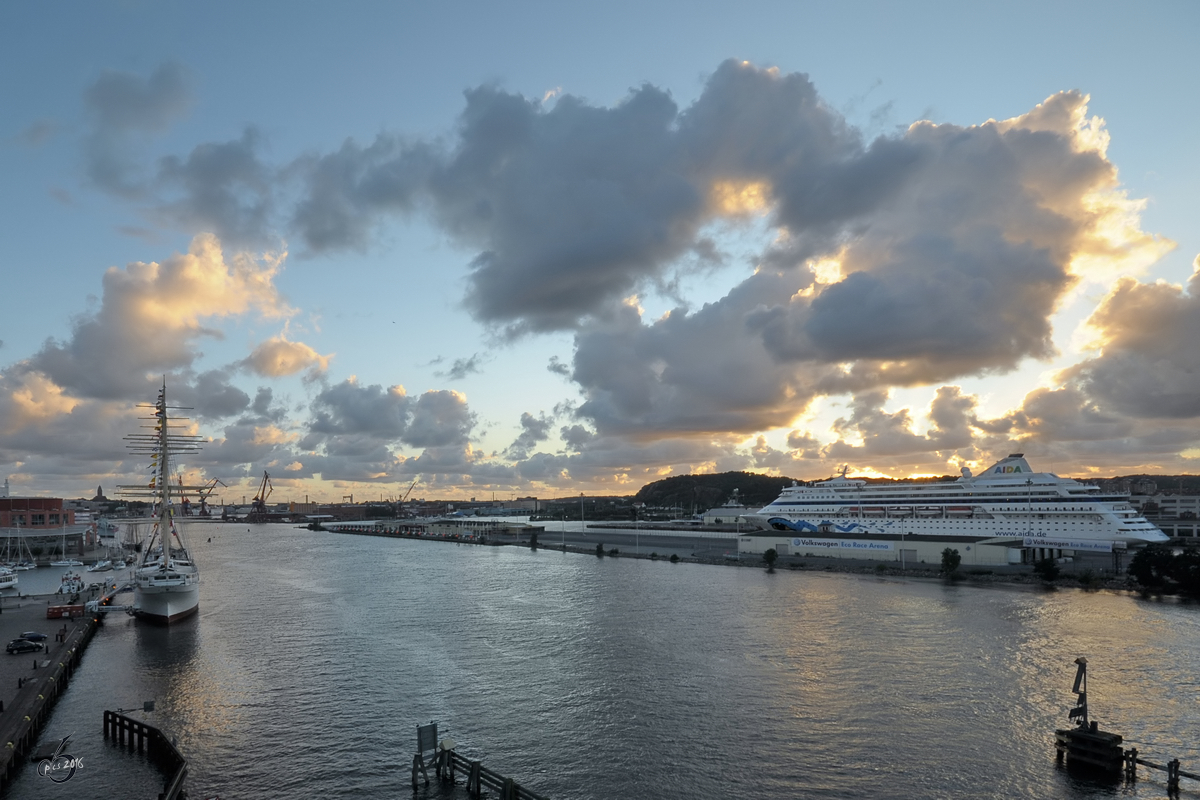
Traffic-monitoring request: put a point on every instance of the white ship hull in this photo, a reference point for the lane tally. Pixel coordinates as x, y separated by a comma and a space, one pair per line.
166, 604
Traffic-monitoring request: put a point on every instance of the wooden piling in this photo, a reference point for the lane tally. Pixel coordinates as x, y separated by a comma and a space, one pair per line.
149, 739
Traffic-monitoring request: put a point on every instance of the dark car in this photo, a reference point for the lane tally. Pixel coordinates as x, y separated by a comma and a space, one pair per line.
23, 646
34, 636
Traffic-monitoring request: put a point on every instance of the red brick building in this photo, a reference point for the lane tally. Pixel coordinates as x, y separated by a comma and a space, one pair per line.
34, 513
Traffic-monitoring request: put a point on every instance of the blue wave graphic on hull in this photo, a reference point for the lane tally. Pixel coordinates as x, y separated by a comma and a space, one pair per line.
809, 527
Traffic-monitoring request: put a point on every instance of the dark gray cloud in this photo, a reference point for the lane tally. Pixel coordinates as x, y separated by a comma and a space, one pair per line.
347, 414
123, 109
701, 372
212, 396
462, 367
220, 187
125, 101
439, 419
349, 191
1067, 415
1150, 364
533, 431
347, 408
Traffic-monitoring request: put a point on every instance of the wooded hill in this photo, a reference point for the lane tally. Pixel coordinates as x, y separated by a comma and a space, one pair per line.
707, 491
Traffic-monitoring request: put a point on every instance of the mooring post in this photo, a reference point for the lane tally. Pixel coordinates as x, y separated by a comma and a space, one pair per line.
1131, 764
1173, 775
474, 780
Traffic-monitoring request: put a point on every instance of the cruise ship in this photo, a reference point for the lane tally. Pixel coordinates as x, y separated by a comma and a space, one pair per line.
1007, 502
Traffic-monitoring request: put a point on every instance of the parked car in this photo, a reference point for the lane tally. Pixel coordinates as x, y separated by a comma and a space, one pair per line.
23, 646
34, 636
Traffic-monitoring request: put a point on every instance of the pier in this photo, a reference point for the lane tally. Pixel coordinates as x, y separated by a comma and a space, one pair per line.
448, 762
30, 685
1090, 748
127, 731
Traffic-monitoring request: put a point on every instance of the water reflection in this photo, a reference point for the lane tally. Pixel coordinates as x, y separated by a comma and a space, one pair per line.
315, 655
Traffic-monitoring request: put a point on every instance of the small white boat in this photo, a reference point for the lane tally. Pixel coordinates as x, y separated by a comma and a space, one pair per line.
66, 562
120, 565
103, 565
8, 578
25, 565
72, 582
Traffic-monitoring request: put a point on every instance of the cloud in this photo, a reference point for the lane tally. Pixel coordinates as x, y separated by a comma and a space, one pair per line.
123, 109
462, 367
920, 257
213, 396
346, 410
347, 192
533, 430
151, 317
37, 133
278, 357
1149, 366
220, 187
440, 418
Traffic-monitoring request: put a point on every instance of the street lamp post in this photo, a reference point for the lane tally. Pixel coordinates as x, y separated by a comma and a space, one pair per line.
902, 551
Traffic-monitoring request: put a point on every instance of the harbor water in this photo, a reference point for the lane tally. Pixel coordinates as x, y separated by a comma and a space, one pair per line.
315, 656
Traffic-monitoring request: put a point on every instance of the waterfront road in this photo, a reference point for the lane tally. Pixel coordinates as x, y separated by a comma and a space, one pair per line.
644, 543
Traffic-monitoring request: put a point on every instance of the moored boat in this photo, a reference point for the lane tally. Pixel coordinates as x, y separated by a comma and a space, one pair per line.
1008, 502
166, 580
71, 583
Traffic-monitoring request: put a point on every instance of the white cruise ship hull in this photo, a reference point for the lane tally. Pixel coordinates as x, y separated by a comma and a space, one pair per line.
166, 604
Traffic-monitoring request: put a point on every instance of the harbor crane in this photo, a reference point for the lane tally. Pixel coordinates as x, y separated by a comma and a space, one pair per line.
205, 493
258, 505
400, 503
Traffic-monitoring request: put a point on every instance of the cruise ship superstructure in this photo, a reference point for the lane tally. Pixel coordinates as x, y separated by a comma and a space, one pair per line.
1008, 502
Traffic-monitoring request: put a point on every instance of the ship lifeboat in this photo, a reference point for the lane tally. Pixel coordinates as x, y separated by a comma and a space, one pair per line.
929, 511
900, 511
959, 511
872, 511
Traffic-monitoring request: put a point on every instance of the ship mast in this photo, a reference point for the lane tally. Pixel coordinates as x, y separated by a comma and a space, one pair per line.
161, 446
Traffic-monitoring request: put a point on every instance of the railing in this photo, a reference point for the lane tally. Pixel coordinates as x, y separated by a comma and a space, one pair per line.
126, 730
448, 762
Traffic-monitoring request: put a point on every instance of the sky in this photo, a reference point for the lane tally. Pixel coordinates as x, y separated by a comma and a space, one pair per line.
497, 250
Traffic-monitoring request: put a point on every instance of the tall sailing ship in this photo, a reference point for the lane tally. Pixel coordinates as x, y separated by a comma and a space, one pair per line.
166, 581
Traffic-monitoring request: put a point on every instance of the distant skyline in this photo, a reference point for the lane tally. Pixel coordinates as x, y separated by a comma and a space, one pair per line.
545, 250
